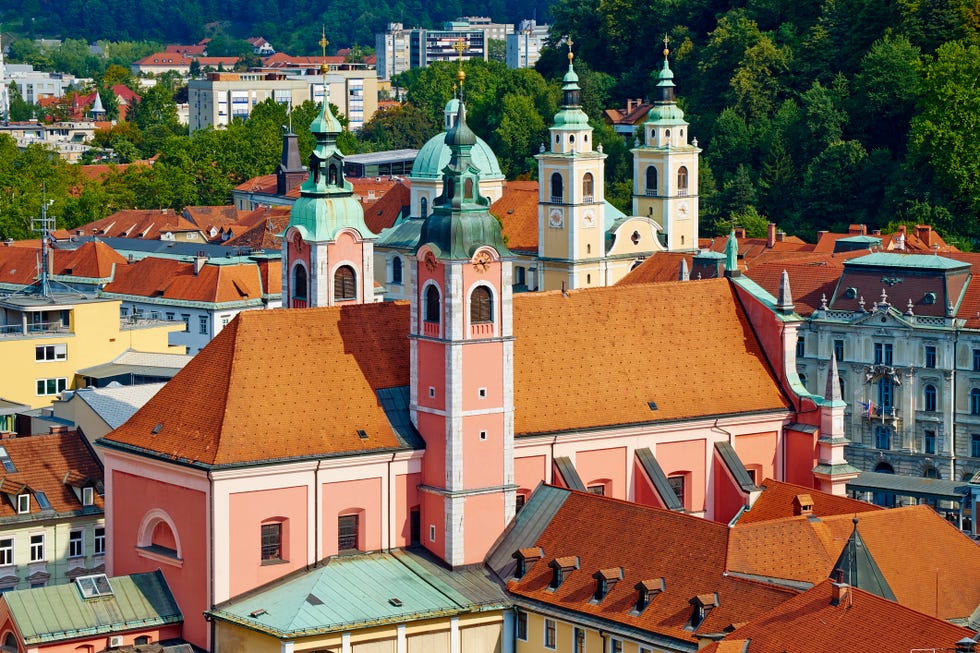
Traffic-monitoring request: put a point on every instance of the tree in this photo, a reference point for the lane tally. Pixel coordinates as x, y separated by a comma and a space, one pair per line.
392, 128
521, 129
832, 187
755, 85
497, 50
946, 133
20, 109
886, 90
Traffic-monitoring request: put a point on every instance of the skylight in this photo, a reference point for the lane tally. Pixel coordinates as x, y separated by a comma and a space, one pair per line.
94, 586
8, 464
42, 500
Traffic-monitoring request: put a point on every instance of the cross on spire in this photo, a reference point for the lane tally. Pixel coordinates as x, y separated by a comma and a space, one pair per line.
323, 46
666, 43
460, 46
571, 55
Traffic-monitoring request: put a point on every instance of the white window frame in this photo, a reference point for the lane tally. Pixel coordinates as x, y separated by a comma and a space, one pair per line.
76, 538
42, 389
37, 549
554, 632
202, 325
98, 544
88, 496
6, 551
50, 353
23, 504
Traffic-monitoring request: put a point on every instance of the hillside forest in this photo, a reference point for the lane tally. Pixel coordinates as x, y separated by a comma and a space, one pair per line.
813, 115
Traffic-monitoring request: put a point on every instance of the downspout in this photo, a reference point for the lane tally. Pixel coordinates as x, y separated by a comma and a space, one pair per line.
316, 512
552, 462
210, 600
390, 538
952, 421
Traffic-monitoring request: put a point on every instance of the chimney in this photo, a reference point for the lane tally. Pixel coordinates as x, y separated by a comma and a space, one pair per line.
802, 504
924, 232
771, 234
605, 581
876, 232
199, 260
740, 232
780, 236
857, 230
839, 590
647, 590
821, 234
525, 559
966, 645
629, 106
561, 567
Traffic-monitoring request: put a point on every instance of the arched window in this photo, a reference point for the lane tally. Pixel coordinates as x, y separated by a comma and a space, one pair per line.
344, 285
396, 270
481, 305
930, 397
682, 180
432, 304
930, 472
884, 468
588, 187
142, 640
332, 178
557, 190
468, 189
425, 207
299, 283
975, 401
157, 533
651, 180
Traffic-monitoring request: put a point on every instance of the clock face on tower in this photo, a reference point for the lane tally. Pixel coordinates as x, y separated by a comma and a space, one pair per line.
556, 218
588, 219
683, 210
482, 261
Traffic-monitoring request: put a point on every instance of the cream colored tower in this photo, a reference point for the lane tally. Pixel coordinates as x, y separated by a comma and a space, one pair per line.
571, 242
665, 169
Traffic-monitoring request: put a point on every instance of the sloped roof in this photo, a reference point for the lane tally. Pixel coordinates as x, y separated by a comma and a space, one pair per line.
58, 612
349, 592
175, 280
923, 558
690, 558
776, 502
232, 392
517, 210
94, 260
662, 266
208, 216
383, 211
42, 462
19, 265
116, 403
261, 227
137, 223
810, 623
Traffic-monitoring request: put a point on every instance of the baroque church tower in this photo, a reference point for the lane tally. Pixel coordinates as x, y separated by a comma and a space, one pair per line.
461, 342
571, 197
665, 168
327, 249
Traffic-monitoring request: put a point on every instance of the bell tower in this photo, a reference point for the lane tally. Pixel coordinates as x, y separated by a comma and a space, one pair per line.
327, 250
665, 168
461, 342
571, 241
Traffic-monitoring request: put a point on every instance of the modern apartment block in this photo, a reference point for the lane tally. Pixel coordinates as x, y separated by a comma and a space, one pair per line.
524, 45
399, 49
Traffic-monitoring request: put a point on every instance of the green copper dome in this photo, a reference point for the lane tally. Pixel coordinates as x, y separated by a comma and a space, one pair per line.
320, 218
666, 113
435, 154
571, 114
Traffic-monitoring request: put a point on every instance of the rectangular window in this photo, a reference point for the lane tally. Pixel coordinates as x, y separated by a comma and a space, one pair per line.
579, 643
23, 504
187, 321
839, 350
170, 316
800, 346
615, 646
677, 485
123, 311
347, 532
47, 387
549, 633
272, 542
7, 551
886, 387
519, 502
225, 319
930, 356
88, 496
599, 489
76, 544
975, 445
99, 544
883, 437
976, 360
203, 324
37, 547
929, 442
50, 352
522, 625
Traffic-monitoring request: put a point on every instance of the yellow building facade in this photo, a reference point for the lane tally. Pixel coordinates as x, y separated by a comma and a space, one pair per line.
44, 340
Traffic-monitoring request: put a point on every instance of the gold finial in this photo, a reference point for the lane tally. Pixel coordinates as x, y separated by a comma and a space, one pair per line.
571, 55
666, 43
460, 46
323, 46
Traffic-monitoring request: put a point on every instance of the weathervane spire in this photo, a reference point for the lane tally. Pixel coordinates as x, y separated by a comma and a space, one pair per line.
459, 46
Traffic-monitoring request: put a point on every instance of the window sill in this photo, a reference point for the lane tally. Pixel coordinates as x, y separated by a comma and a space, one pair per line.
274, 561
159, 554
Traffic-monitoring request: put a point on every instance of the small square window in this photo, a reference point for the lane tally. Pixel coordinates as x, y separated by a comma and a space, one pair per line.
483, 393
483, 435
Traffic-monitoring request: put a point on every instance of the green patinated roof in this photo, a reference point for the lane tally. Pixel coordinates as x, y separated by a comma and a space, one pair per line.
909, 261
864, 240
571, 115
401, 236
356, 591
435, 154
58, 612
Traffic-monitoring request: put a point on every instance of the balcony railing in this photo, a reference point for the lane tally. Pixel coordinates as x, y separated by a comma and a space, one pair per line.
481, 330
430, 329
31, 330
557, 199
651, 192
588, 199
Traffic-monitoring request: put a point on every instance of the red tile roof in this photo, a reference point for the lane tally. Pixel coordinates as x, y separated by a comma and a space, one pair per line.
661, 266
517, 210
776, 502
259, 228
94, 260
212, 216
19, 265
42, 463
923, 558
384, 211
690, 557
600, 334
862, 622
172, 279
136, 223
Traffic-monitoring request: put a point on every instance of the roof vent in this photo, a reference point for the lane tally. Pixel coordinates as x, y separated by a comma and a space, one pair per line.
802, 504
157, 429
362, 434
652, 405
313, 599
395, 602
257, 613
930, 298
851, 293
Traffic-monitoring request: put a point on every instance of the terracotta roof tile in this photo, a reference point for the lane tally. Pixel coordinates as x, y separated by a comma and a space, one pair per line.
810, 623
172, 279
922, 557
263, 184
385, 208
690, 558
776, 502
602, 334
137, 223
208, 216
43, 462
662, 266
93, 259
517, 210
260, 228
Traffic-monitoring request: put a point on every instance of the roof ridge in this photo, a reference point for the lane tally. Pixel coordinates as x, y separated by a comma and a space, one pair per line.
233, 328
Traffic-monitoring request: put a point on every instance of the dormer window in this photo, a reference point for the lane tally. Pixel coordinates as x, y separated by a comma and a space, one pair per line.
526, 558
605, 581
23, 504
561, 568
647, 591
802, 504
702, 604
88, 496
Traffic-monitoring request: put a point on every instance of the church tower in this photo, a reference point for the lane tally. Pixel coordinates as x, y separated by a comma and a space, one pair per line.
665, 169
327, 250
461, 342
571, 241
